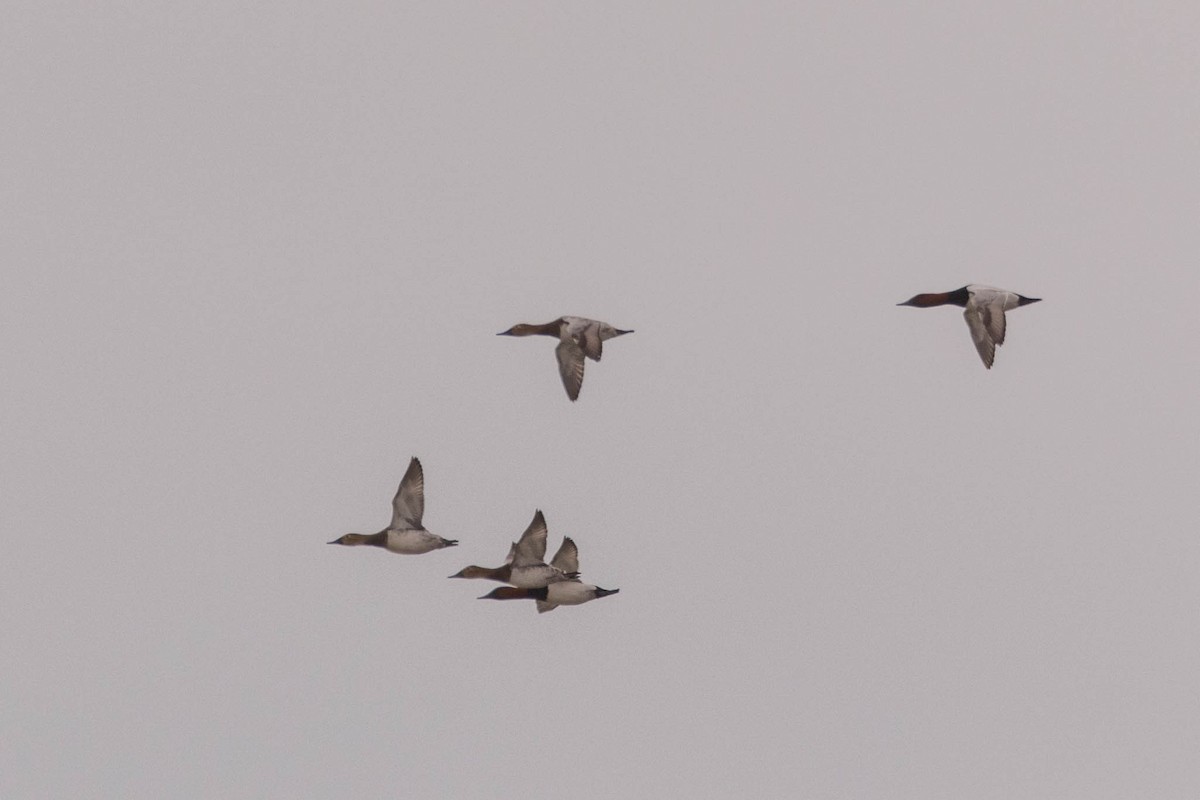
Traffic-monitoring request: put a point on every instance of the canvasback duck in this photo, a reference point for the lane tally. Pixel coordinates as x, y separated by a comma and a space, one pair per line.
577, 337
405, 534
533, 544
563, 593
984, 308
529, 571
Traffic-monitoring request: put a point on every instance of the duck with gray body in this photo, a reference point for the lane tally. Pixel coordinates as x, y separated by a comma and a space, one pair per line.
405, 534
578, 337
983, 309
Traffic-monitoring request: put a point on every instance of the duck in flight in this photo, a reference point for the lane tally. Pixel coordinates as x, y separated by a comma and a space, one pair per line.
405, 534
532, 543
563, 593
577, 337
570, 592
528, 570
983, 308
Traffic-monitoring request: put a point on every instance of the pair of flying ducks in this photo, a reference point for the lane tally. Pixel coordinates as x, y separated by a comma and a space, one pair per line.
983, 307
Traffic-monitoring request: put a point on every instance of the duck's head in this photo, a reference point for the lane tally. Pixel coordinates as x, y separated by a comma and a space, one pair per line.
924, 300
350, 539
958, 297
471, 572
552, 328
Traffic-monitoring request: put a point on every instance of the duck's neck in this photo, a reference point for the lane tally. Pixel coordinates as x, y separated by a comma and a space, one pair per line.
958, 297
515, 593
545, 329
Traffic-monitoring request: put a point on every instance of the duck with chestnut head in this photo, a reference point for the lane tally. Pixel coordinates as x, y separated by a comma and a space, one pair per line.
983, 308
578, 337
405, 534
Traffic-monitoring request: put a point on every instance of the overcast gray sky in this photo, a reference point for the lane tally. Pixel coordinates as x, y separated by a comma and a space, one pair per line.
255, 258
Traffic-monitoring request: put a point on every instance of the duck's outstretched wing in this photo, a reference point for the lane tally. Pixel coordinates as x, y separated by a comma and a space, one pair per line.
570, 366
408, 506
531, 547
567, 557
980, 335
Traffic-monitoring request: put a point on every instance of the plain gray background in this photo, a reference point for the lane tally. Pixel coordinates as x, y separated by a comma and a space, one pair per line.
255, 257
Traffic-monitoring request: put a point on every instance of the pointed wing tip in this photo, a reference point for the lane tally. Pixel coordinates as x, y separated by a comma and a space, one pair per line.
415, 468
